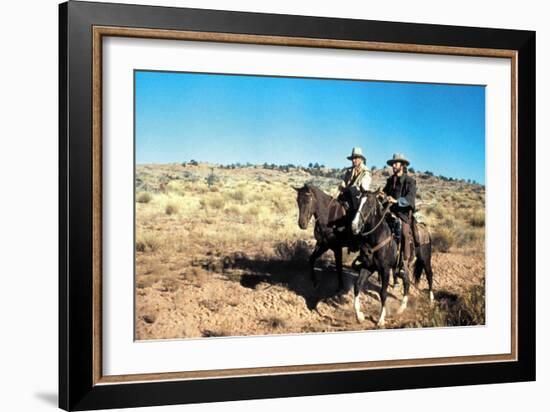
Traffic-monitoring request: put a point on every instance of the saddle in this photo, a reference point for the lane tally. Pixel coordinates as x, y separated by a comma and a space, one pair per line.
396, 225
351, 197
348, 201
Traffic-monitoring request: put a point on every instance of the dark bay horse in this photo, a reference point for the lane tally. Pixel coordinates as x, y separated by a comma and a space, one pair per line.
326, 210
378, 253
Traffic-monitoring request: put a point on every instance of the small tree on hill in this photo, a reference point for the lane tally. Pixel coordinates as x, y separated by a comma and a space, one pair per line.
212, 179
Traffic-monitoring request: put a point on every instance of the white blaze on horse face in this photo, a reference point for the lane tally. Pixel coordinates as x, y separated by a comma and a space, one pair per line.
355, 223
357, 305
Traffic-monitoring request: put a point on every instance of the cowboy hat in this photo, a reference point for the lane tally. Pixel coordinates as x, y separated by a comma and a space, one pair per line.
357, 152
398, 157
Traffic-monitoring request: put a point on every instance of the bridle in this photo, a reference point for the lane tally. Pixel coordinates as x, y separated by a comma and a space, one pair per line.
365, 217
308, 210
371, 250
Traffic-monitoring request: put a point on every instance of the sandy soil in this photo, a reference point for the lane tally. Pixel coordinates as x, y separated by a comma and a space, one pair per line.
259, 297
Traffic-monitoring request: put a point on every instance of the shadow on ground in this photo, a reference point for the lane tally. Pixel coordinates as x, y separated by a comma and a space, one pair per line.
253, 271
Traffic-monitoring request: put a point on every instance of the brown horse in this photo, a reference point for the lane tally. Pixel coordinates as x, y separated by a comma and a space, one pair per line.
379, 254
326, 210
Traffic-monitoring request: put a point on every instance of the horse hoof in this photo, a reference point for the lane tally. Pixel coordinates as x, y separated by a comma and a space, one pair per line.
360, 317
382, 320
403, 305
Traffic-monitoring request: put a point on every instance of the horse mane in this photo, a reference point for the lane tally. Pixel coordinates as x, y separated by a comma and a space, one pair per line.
323, 203
317, 192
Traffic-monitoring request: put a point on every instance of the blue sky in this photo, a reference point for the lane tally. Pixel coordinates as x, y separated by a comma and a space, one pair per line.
228, 119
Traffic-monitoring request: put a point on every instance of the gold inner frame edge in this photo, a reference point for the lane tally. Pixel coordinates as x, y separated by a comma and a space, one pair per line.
100, 31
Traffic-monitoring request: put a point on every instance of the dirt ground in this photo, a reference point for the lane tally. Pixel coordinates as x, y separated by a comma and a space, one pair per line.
257, 297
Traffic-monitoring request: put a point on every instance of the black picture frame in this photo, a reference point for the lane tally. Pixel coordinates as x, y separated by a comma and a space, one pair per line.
77, 389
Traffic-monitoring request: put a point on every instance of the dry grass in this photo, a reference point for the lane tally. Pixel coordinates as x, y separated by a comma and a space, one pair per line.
465, 310
238, 196
478, 219
143, 197
171, 209
148, 242
258, 206
295, 252
443, 239
214, 201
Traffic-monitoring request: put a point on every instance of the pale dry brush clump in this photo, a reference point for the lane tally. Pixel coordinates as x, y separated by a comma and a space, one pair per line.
171, 208
147, 241
465, 310
143, 197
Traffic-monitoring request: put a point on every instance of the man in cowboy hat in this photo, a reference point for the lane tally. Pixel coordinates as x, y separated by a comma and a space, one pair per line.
356, 179
400, 191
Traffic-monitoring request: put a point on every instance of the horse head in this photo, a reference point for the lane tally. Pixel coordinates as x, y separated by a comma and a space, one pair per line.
306, 205
368, 206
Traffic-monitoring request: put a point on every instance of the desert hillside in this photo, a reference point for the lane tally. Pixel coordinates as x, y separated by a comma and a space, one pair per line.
219, 253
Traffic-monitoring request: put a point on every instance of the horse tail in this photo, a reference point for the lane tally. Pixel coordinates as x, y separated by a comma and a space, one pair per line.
418, 268
423, 255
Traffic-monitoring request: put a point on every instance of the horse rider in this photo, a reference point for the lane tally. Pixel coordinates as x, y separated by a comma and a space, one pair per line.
400, 191
355, 181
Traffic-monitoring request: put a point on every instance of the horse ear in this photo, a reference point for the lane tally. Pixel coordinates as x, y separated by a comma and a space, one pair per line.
296, 188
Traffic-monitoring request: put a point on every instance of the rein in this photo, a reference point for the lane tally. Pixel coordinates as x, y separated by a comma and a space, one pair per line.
370, 251
379, 222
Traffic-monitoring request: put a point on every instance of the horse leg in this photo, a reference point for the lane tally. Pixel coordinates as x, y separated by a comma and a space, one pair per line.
317, 252
394, 278
357, 288
338, 258
430, 277
424, 263
418, 268
385, 275
396, 268
406, 284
